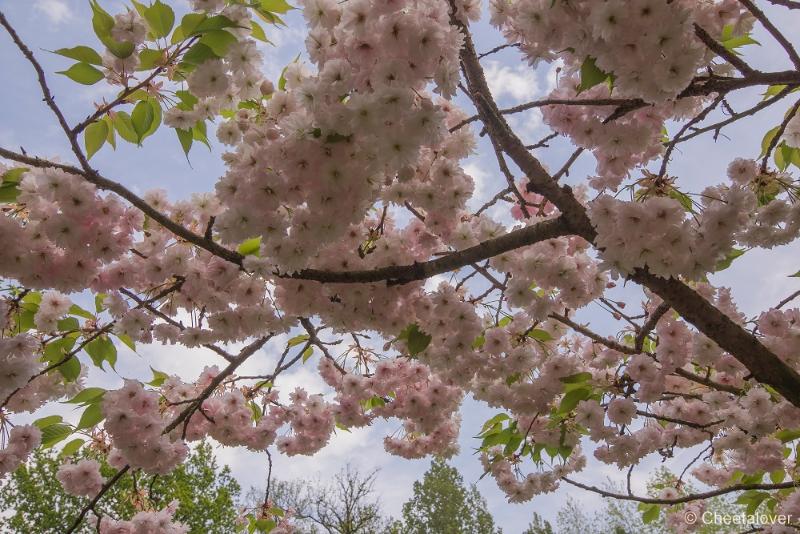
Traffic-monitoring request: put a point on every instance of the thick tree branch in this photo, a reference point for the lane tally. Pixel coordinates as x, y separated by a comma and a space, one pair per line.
763, 364
401, 274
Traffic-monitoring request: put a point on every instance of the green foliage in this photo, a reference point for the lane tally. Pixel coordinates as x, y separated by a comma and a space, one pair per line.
82, 53
9, 184
37, 504
441, 504
416, 340
539, 526
592, 75
83, 73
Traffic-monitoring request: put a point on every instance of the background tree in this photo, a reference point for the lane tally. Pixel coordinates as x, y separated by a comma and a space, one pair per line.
442, 504
346, 505
539, 525
206, 494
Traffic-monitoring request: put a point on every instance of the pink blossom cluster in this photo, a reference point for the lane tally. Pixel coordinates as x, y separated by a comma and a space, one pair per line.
21, 442
67, 233
18, 362
406, 390
533, 483
657, 234
158, 522
649, 45
136, 425
318, 155
621, 145
82, 479
227, 417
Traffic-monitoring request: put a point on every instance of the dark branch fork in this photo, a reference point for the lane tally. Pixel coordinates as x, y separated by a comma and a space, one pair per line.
762, 363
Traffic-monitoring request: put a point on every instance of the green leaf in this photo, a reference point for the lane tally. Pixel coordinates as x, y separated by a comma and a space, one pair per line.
160, 17
92, 415
54, 433
8, 193
777, 476
71, 447
70, 324
307, 354
103, 23
784, 155
296, 340
728, 259
373, 402
126, 339
732, 43
199, 53
275, 6
197, 23
124, 127
142, 119
540, 335
651, 513
250, 246
219, 41
150, 59
80, 312
111, 138
14, 176
159, 377
199, 133
788, 434
795, 275
591, 75
765, 142
572, 398
101, 349
81, 53
257, 32
185, 137
94, 137
684, 199
265, 525
88, 396
83, 73
188, 24
576, 378
44, 422
187, 99
416, 340
499, 418
55, 350
505, 321
70, 369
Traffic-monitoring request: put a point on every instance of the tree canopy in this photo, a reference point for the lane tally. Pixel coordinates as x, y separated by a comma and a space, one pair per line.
575, 288
207, 495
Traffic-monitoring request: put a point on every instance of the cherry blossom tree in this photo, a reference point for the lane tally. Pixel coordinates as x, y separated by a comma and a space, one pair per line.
345, 192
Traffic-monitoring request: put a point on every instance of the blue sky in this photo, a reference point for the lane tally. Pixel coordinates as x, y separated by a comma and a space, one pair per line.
759, 278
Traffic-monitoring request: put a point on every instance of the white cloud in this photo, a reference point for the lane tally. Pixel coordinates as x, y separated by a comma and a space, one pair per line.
518, 82
57, 11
